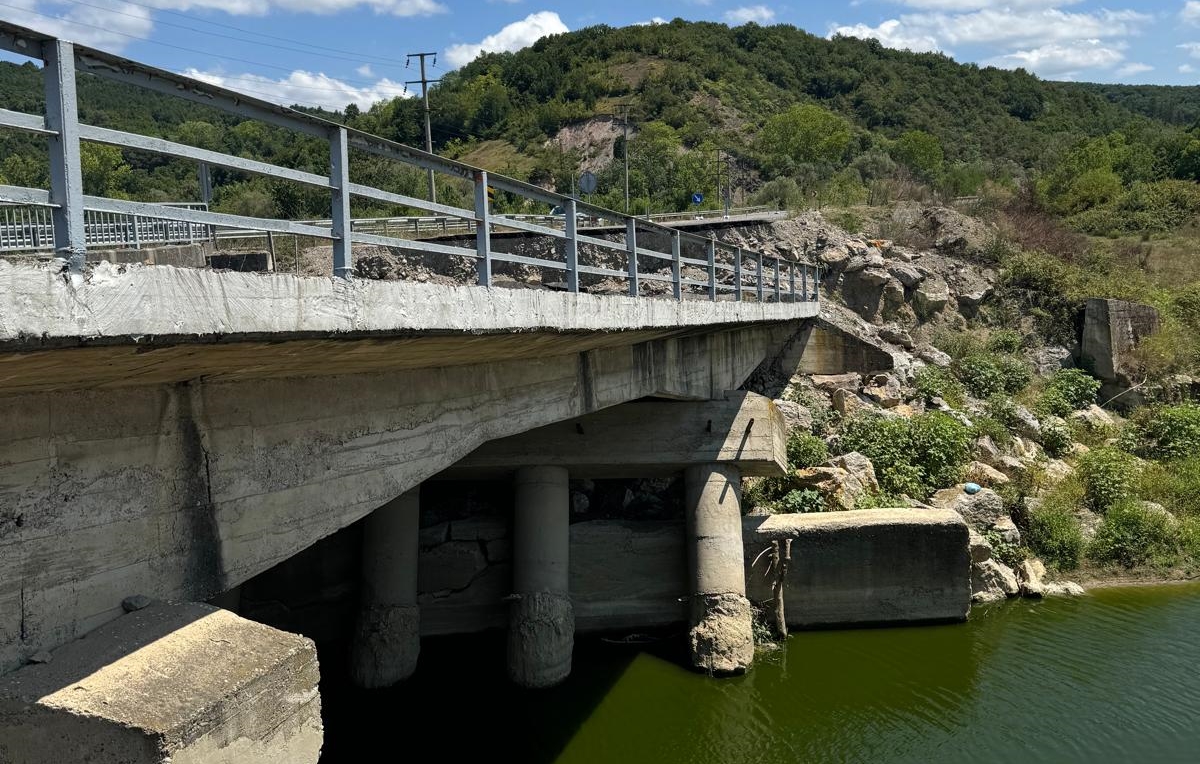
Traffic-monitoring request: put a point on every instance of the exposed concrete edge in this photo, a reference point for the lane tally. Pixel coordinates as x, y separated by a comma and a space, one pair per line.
132, 303
783, 526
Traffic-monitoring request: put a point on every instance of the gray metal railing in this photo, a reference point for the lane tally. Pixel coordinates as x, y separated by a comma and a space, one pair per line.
692, 264
28, 228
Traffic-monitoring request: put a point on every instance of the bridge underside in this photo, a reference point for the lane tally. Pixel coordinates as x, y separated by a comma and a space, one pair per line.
182, 460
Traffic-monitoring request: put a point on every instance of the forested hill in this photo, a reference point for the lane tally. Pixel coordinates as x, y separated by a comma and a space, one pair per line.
781, 104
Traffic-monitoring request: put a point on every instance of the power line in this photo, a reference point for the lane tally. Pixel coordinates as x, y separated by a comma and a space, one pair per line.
425, 83
164, 44
358, 59
381, 59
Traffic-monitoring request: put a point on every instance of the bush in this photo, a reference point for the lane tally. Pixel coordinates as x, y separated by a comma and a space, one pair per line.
943, 447
1068, 390
935, 382
957, 344
992, 428
804, 450
1166, 432
1001, 408
801, 501
988, 375
1175, 485
1131, 535
1053, 532
1004, 341
1009, 554
911, 456
1109, 475
1056, 438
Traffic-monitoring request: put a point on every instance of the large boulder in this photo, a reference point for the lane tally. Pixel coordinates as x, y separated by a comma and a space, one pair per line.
1063, 589
848, 403
1094, 418
931, 297
992, 580
885, 390
859, 466
986, 475
796, 418
1030, 573
906, 274
842, 481
981, 510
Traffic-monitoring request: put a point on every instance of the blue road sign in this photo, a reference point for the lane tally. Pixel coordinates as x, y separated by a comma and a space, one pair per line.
697, 198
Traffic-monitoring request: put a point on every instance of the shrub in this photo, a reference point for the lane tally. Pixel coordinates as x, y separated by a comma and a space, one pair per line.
911, 456
935, 382
1056, 438
1009, 554
1109, 476
1175, 485
957, 344
1001, 408
801, 501
1067, 391
1015, 373
1004, 341
943, 446
992, 428
1055, 535
805, 450
1166, 432
880, 500
1189, 539
981, 375
1131, 535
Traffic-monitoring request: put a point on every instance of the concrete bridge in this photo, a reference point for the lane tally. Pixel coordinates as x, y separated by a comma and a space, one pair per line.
170, 433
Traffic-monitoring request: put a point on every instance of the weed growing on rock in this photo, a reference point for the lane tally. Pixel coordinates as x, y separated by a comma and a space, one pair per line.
1165, 432
805, 450
935, 382
1133, 534
1056, 438
801, 502
1052, 530
1109, 476
1068, 390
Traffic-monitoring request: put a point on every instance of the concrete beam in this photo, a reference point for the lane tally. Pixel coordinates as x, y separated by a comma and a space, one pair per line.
168, 683
871, 566
740, 429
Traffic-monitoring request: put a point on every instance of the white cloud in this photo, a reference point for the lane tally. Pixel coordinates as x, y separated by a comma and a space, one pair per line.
893, 34
1193, 48
652, 22
1191, 12
306, 88
110, 26
1064, 60
517, 35
402, 8
977, 5
365, 71
1186, 68
759, 14
1130, 69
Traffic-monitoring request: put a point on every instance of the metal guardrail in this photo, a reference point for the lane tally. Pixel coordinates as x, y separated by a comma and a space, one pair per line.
26, 228
726, 268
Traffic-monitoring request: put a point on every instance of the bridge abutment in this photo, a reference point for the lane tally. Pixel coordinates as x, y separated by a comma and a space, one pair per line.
387, 635
721, 636
541, 630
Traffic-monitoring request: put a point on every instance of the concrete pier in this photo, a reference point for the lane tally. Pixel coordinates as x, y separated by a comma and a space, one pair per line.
387, 636
721, 637
541, 631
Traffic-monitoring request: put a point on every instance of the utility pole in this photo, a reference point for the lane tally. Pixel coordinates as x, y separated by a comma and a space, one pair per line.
625, 151
717, 153
425, 82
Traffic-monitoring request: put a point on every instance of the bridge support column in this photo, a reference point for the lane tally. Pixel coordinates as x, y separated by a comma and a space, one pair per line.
387, 637
721, 638
541, 627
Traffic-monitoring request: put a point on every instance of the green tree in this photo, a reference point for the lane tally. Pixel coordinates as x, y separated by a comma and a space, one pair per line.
921, 153
105, 172
807, 133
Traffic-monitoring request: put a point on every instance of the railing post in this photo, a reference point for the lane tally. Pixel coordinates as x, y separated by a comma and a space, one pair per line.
676, 269
66, 174
631, 246
137, 239
737, 275
572, 246
761, 280
339, 179
483, 230
776, 279
792, 279
804, 281
712, 268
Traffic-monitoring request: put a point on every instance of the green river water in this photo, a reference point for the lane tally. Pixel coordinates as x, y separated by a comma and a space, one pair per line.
1111, 677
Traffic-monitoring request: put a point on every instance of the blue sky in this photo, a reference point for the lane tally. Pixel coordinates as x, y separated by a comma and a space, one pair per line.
332, 52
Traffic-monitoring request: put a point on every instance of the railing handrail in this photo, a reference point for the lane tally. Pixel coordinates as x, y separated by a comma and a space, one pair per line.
68, 202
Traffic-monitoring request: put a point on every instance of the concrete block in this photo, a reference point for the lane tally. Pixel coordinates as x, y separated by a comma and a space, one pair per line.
864, 567
180, 683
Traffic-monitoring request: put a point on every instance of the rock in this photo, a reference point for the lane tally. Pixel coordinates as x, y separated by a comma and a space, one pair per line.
873, 277
1030, 573
796, 418
931, 355
955, 233
1153, 508
41, 656
579, 503
1094, 418
831, 383
859, 466
1047, 360
834, 256
896, 335
900, 411
840, 486
906, 274
1078, 449
848, 403
1025, 423
1011, 466
1063, 589
985, 475
434, 535
980, 548
969, 302
885, 390
981, 511
1025, 449
987, 450
1057, 470
931, 297
1007, 530
135, 603
992, 580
